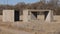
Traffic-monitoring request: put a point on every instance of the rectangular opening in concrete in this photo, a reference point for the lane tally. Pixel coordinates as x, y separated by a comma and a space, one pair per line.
45, 14
34, 15
39, 15
16, 15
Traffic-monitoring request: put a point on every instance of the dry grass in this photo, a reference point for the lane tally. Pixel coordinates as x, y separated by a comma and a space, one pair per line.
36, 27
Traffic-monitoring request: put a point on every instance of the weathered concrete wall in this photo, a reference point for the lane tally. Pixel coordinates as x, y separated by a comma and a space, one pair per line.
49, 17
40, 17
21, 17
8, 15
25, 15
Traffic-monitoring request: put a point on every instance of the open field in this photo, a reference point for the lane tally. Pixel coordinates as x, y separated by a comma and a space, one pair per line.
33, 27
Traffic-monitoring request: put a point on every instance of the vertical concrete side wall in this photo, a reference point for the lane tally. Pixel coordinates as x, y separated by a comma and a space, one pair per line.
21, 17
8, 15
25, 16
50, 16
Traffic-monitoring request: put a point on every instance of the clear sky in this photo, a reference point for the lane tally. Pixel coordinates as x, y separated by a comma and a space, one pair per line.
13, 2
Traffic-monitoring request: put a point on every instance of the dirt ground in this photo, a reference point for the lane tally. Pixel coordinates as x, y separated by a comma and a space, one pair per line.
33, 27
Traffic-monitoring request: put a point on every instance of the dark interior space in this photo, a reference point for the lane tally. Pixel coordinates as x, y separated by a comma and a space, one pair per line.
16, 15
35, 14
46, 13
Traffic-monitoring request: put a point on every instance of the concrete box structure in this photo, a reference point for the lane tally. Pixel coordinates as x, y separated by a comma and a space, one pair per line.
28, 15
8, 15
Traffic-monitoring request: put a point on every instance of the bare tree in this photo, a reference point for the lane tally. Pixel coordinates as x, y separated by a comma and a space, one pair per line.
54, 2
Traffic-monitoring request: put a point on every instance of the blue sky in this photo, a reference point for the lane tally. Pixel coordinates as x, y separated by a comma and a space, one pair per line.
13, 2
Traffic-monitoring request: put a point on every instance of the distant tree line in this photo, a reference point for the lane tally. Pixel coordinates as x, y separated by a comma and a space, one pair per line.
38, 5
